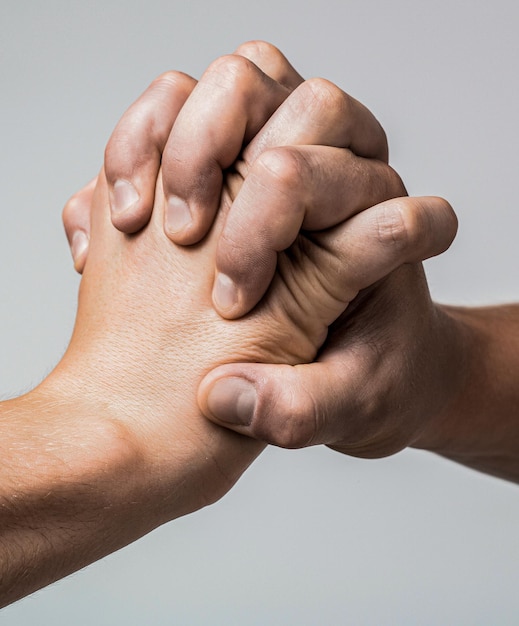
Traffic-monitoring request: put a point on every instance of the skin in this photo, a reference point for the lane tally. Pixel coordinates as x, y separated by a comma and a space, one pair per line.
114, 437
113, 443
441, 378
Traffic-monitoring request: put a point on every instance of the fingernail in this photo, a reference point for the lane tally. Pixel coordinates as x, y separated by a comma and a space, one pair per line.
232, 400
79, 244
225, 292
124, 196
178, 215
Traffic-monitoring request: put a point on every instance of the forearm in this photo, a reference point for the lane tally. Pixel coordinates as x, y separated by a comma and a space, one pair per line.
99, 455
480, 426
68, 491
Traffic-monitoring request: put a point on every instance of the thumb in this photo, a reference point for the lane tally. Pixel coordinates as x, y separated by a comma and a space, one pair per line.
287, 406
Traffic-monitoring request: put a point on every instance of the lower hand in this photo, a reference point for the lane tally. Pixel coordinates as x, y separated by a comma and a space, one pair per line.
391, 364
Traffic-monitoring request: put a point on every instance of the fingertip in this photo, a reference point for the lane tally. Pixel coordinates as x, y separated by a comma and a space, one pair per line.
192, 190
178, 220
232, 301
79, 249
128, 210
440, 225
263, 401
219, 394
231, 401
132, 220
184, 224
226, 296
76, 221
451, 219
243, 274
123, 196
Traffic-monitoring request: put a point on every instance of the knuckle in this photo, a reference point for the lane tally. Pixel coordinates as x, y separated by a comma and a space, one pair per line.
171, 79
323, 94
281, 168
229, 71
295, 431
134, 139
258, 50
396, 225
288, 416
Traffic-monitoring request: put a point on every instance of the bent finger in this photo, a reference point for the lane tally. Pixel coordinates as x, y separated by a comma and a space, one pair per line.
76, 220
318, 112
374, 242
308, 187
134, 151
323, 272
271, 62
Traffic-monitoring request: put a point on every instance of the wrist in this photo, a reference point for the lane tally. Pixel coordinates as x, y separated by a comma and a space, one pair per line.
110, 463
174, 460
450, 374
76, 449
68, 492
477, 426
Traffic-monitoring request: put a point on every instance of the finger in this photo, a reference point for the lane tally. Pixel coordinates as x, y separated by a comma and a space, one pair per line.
336, 264
271, 62
284, 405
328, 269
309, 187
134, 151
373, 243
76, 220
317, 112
324, 271
229, 105
295, 406
320, 113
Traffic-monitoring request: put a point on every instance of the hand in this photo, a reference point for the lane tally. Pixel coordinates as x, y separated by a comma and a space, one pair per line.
391, 363
146, 334
320, 203
289, 183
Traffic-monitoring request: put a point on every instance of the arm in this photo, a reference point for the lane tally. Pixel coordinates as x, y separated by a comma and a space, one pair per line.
113, 443
480, 427
71, 487
396, 370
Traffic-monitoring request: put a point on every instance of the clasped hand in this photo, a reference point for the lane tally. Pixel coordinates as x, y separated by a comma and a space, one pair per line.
305, 177
248, 256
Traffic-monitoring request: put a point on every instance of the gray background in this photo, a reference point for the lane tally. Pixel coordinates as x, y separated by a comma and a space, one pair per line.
306, 537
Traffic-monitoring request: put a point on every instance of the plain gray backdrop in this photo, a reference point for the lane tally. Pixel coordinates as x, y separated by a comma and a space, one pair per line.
306, 537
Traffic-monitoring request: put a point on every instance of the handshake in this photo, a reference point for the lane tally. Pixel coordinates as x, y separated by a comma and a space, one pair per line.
251, 276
